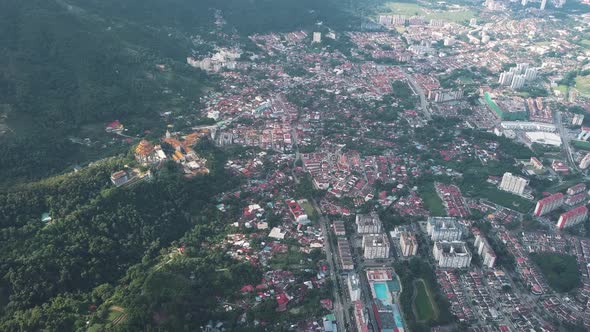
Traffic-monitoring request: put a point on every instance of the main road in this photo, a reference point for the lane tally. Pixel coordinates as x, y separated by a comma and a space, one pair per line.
423, 102
565, 141
341, 311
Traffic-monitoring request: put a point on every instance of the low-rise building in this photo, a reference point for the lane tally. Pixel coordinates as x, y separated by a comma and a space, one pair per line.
354, 287
119, 178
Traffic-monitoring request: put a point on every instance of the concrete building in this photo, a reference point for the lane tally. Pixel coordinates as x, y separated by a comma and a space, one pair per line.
485, 251
360, 316
575, 199
368, 223
354, 287
408, 244
530, 74
572, 217
517, 82
513, 183
344, 254
119, 178
548, 204
576, 189
520, 67
375, 246
536, 163
505, 78
317, 37
443, 229
224, 58
543, 138
528, 126
585, 163
543, 4
339, 228
451, 254
578, 119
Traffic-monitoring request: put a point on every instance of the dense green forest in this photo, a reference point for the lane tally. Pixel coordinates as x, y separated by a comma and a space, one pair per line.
68, 67
56, 275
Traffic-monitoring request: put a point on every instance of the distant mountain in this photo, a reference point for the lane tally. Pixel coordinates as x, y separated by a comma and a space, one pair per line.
67, 67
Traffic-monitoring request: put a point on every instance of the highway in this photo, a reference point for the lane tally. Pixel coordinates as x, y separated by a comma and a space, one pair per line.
423, 102
340, 310
567, 148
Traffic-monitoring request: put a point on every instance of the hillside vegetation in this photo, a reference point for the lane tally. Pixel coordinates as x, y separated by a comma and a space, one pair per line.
68, 67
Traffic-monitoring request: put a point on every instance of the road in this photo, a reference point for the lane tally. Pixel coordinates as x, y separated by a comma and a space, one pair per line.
567, 148
423, 102
340, 310
341, 307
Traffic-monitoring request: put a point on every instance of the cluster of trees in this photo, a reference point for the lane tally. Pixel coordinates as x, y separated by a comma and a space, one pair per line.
450, 80
561, 271
404, 95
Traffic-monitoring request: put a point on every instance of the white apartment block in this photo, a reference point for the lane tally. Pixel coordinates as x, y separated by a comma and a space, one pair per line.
375, 246
514, 184
484, 250
451, 254
444, 229
368, 223
408, 244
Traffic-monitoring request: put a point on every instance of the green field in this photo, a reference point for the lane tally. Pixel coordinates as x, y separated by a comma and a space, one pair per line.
413, 9
583, 85
505, 199
403, 8
423, 304
309, 210
562, 89
432, 202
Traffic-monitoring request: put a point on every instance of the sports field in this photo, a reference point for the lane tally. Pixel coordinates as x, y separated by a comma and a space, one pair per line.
583, 85
423, 303
414, 9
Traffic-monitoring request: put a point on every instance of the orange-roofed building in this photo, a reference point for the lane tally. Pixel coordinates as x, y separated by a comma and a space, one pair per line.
191, 140
173, 141
144, 152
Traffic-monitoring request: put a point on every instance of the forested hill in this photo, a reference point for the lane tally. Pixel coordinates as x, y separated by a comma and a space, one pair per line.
54, 275
68, 67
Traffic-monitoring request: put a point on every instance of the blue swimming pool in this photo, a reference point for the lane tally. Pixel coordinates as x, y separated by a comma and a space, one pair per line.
381, 291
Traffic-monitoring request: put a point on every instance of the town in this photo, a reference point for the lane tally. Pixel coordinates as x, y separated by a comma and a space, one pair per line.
426, 172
